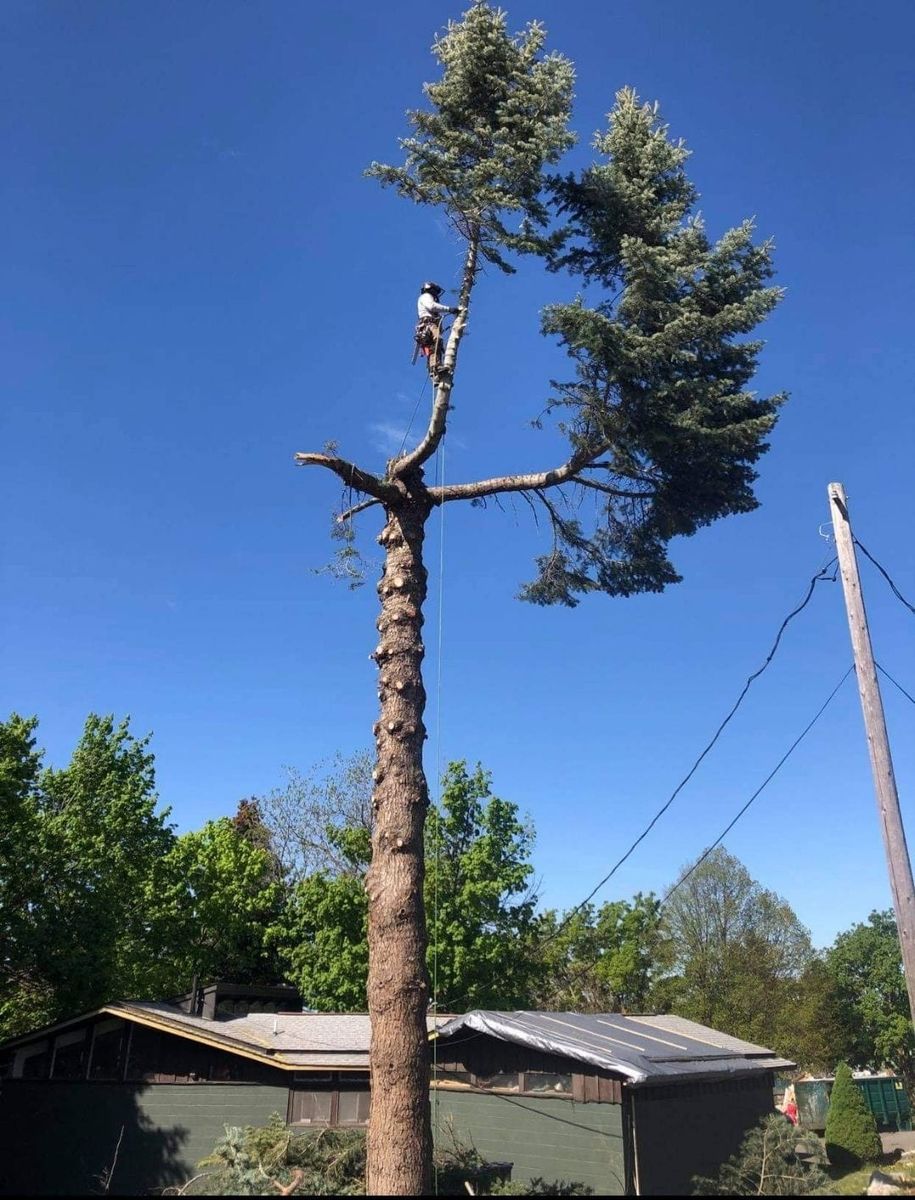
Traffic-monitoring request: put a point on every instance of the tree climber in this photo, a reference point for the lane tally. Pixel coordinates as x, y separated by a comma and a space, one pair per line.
428, 336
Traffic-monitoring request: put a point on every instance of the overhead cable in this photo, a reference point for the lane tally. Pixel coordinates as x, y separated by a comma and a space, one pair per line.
896, 592
775, 770
894, 682
822, 574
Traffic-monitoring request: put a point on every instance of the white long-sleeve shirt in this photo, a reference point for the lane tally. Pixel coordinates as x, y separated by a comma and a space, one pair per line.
426, 307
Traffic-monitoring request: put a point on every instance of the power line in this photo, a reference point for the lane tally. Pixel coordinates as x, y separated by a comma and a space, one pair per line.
894, 682
817, 578
896, 592
775, 770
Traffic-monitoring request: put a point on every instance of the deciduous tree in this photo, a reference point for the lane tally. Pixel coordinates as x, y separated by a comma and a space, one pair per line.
608, 959
740, 951
482, 951
866, 966
662, 435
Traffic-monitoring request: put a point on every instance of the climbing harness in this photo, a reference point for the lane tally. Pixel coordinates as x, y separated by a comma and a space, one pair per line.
428, 341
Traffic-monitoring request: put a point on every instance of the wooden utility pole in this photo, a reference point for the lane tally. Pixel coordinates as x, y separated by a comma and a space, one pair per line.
894, 843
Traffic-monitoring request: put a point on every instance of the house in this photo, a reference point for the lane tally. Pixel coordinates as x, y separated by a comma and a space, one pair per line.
630, 1105
137, 1092
148, 1086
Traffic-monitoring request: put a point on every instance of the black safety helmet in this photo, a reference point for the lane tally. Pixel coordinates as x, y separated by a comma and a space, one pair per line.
435, 288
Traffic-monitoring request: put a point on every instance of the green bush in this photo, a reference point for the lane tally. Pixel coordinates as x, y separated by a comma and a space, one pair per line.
851, 1131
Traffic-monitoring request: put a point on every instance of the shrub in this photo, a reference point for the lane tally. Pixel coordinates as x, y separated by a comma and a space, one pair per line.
851, 1131
768, 1163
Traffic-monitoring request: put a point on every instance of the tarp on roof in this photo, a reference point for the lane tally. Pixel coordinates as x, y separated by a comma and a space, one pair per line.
643, 1049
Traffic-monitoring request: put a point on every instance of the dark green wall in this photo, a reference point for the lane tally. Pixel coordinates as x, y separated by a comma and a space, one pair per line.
56, 1138
691, 1129
556, 1139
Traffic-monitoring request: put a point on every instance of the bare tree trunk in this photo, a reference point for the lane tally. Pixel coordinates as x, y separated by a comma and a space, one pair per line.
399, 1134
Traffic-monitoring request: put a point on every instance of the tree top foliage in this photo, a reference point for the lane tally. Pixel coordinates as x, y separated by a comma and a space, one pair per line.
498, 115
663, 430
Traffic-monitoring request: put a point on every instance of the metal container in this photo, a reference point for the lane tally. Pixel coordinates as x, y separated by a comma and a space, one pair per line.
885, 1095
887, 1099
812, 1103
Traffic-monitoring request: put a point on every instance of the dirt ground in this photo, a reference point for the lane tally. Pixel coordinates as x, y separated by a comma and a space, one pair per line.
898, 1141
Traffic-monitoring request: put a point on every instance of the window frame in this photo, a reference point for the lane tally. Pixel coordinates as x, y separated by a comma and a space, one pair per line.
331, 1083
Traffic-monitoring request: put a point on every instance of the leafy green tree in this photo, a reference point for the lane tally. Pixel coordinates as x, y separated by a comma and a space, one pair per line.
851, 1131
98, 897
866, 966
740, 951
209, 907
321, 936
26, 999
767, 1164
608, 959
812, 1029
478, 895
102, 835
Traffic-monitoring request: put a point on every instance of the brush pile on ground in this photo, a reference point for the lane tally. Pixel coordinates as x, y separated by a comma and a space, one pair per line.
277, 1161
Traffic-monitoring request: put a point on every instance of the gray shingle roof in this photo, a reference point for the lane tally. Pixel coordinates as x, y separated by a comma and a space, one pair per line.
306, 1040
644, 1049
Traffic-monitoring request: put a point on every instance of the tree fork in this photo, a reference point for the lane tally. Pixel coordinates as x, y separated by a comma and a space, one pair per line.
399, 1134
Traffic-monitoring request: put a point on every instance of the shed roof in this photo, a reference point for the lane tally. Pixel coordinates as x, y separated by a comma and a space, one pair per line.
290, 1041
644, 1049
296, 1040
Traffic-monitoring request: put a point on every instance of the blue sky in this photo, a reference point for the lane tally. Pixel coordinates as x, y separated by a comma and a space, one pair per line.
198, 282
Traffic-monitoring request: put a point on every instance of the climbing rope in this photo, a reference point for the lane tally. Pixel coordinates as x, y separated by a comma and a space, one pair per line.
440, 478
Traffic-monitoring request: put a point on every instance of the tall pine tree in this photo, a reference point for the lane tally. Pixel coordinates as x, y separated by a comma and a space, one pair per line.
660, 429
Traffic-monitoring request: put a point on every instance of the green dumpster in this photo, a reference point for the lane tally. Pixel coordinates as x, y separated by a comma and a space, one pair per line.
885, 1095
887, 1099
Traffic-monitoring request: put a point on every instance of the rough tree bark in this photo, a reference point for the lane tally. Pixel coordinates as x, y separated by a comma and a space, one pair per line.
398, 985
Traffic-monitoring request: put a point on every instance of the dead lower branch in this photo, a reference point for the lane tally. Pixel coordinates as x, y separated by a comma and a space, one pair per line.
352, 476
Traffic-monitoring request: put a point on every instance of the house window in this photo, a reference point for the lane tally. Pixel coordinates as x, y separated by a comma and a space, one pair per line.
353, 1106
107, 1057
69, 1056
555, 1083
505, 1081
32, 1062
310, 1107
343, 1099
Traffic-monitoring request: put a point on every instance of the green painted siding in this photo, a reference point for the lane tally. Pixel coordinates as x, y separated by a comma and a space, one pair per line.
683, 1130
56, 1138
555, 1139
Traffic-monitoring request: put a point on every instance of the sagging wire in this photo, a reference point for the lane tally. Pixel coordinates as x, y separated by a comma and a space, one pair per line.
894, 682
775, 770
822, 574
896, 592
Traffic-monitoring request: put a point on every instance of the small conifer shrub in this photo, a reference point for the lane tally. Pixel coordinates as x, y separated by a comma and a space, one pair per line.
774, 1159
851, 1131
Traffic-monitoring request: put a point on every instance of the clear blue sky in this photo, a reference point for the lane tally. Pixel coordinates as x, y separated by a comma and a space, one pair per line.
198, 282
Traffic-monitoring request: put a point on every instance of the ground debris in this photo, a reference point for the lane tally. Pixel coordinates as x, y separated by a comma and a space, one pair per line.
881, 1184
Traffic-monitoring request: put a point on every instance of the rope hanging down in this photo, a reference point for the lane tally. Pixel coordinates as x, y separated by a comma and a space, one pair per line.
822, 574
